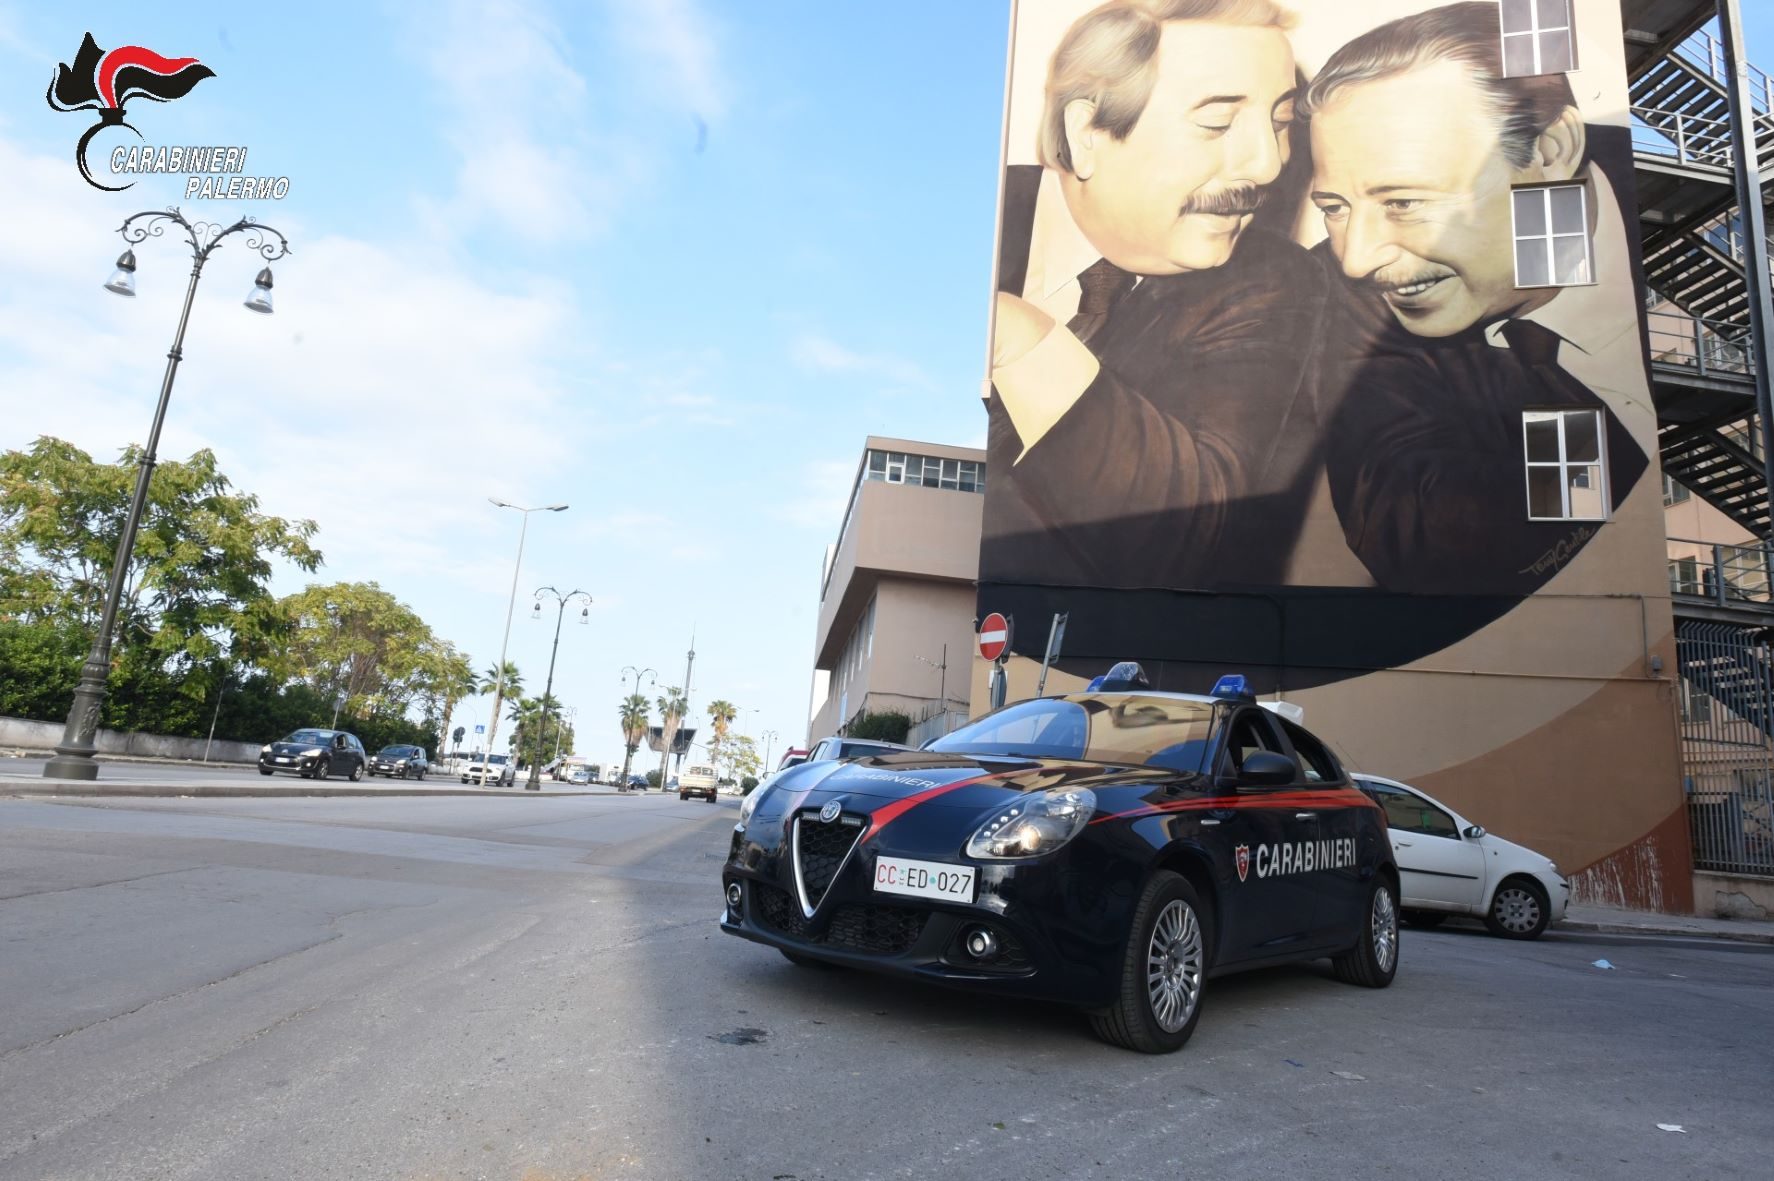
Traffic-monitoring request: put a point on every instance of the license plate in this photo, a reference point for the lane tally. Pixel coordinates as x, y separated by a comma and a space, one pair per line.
924, 879
281, 759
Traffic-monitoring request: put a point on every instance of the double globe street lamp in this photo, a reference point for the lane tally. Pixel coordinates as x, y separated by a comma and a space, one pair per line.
74, 754
535, 781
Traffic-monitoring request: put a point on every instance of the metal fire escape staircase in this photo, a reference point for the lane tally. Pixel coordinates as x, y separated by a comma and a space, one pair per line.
1701, 349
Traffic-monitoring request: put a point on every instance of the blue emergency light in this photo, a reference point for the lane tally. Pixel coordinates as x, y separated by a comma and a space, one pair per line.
1126, 675
1232, 686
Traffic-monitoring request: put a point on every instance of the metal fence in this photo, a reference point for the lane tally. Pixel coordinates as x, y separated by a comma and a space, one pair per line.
1676, 135
1711, 348
1727, 710
1725, 574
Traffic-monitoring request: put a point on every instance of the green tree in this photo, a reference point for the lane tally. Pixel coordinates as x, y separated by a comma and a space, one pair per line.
721, 714
634, 719
448, 678
511, 683
531, 715
354, 642
739, 757
195, 598
673, 705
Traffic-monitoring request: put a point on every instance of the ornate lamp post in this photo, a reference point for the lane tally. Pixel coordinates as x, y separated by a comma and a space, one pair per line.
768, 736
535, 783
628, 747
74, 754
505, 644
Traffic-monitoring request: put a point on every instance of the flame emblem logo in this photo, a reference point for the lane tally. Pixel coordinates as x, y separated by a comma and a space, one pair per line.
104, 81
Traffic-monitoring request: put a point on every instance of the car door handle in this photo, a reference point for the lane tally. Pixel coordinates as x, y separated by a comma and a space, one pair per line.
1305, 816
1401, 844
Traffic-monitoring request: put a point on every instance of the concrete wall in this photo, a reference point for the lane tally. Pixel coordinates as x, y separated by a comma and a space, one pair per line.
23, 734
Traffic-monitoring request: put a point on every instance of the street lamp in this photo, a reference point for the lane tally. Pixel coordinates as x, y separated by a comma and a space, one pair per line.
535, 783
505, 644
627, 750
74, 754
768, 736
570, 713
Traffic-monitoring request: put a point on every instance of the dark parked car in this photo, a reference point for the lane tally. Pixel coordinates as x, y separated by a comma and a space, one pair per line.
838, 747
1113, 851
400, 762
315, 754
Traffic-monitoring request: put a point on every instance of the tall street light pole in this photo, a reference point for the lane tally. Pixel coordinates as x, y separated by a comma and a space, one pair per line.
74, 754
768, 736
505, 644
535, 781
570, 713
628, 751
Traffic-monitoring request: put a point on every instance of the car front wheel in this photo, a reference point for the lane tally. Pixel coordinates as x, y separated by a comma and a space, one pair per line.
1163, 972
1519, 910
1373, 961
322, 769
264, 770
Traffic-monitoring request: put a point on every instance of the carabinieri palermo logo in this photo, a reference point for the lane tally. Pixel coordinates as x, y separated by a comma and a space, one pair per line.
104, 81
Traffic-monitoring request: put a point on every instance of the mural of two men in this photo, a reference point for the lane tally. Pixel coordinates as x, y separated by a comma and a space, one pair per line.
1178, 379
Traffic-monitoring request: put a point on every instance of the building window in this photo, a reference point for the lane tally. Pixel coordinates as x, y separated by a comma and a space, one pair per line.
1567, 472
893, 467
1552, 237
1674, 491
1684, 576
1537, 37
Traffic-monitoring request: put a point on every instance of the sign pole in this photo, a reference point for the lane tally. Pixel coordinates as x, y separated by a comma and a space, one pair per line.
1056, 635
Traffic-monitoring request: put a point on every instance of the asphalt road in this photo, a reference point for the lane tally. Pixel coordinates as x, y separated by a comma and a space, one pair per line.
235, 775
535, 989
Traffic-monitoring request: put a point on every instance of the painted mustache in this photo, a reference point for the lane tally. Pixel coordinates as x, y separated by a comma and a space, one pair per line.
1232, 202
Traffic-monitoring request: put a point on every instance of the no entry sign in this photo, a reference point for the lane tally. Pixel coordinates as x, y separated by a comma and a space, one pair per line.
994, 636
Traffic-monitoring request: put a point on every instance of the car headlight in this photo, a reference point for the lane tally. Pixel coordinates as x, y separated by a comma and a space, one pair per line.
750, 804
1038, 823
266, 749
313, 750
400, 762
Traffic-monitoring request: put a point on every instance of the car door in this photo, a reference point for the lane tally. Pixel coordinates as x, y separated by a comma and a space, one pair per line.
1261, 830
1340, 890
1436, 865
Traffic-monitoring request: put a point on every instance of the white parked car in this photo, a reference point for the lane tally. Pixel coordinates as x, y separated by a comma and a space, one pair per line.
500, 772
1449, 866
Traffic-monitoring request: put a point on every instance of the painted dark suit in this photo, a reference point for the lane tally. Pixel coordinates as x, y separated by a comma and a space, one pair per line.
1190, 459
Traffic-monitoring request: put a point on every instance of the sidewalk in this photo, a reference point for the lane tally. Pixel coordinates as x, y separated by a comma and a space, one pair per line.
1636, 922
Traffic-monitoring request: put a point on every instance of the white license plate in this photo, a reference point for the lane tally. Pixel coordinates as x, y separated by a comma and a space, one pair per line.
923, 879
281, 759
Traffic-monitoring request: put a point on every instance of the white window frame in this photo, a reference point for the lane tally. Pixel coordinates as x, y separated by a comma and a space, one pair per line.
1534, 33
1564, 465
1551, 237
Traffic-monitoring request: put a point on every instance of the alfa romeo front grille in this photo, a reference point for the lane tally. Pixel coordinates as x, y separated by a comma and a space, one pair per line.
820, 850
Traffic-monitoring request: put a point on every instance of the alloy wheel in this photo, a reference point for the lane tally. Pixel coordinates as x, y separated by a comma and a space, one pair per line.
1173, 966
1385, 929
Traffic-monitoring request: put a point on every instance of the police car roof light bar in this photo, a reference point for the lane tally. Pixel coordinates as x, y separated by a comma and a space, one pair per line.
1124, 676
1234, 687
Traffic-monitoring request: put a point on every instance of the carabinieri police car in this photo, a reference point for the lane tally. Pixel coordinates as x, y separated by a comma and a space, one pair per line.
1112, 850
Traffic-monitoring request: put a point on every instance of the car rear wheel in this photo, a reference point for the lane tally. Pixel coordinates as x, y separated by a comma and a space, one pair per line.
1425, 918
1373, 961
356, 772
1519, 910
1163, 971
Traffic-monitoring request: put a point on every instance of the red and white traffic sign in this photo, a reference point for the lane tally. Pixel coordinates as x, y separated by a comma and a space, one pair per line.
994, 636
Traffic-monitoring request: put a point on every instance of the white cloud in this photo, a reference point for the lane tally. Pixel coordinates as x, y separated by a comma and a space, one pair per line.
818, 354
387, 396
678, 37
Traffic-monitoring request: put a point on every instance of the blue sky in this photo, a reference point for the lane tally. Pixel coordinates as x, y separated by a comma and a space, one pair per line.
667, 261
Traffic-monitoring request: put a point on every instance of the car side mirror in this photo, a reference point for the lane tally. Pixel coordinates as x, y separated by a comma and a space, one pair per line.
1474, 831
1265, 768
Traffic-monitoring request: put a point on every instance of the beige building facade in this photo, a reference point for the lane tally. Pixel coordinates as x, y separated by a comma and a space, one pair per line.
895, 624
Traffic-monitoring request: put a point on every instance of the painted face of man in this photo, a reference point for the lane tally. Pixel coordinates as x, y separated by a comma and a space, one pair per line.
1415, 192
1178, 191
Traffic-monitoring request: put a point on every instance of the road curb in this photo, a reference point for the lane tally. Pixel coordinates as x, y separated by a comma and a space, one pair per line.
173, 790
1667, 930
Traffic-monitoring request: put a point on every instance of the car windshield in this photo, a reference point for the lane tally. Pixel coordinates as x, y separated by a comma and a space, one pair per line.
500, 759
311, 737
397, 752
1117, 728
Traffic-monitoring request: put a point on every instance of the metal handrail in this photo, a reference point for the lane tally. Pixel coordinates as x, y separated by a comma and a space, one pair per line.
1676, 135
1707, 347
1725, 574
1707, 53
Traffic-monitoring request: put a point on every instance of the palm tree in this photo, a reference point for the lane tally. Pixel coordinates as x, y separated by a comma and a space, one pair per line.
633, 713
455, 680
532, 715
673, 705
490, 682
721, 714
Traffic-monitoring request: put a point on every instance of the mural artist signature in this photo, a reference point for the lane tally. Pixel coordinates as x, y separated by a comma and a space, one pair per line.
1561, 553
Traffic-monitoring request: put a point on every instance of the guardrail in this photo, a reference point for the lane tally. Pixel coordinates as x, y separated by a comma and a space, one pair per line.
1723, 574
1685, 138
1710, 348
1706, 53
